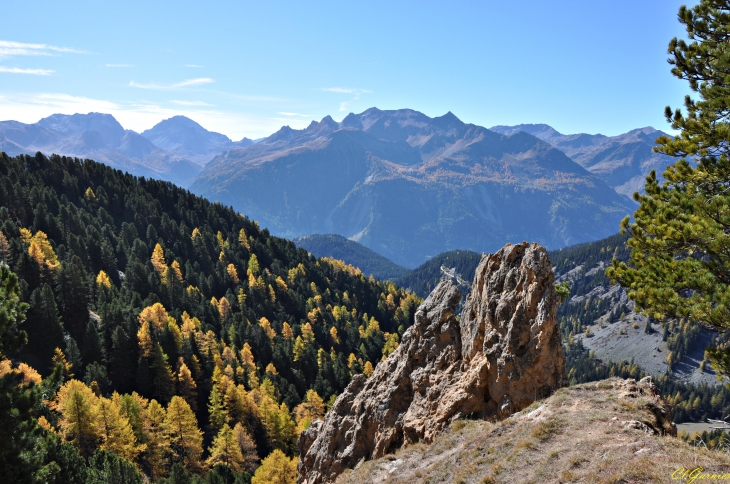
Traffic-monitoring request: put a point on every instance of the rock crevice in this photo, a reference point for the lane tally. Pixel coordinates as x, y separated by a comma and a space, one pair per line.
501, 355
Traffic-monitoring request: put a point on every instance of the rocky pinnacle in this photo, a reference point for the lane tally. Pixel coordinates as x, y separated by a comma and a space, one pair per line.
500, 356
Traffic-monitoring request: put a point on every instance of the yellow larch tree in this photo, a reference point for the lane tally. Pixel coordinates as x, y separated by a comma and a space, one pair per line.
78, 420
243, 240
158, 259
224, 308
155, 314
368, 369
233, 273
144, 340
156, 439
60, 358
286, 331
186, 386
225, 450
40, 250
114, 430
184, 436
277, 468
248, 448
247, 358
102, 280
266, 326
312, 408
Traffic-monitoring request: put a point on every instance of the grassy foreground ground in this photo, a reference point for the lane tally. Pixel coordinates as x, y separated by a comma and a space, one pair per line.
600, 432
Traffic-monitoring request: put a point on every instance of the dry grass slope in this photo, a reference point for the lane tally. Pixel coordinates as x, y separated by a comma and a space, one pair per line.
592, 433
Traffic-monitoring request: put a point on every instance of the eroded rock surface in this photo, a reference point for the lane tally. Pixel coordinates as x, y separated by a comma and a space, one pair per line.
504, 354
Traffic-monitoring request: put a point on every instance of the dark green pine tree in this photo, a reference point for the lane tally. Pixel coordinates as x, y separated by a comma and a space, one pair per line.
93, 348
43, 326
20, 435
73, 298
121, 361
108, 468
680, 243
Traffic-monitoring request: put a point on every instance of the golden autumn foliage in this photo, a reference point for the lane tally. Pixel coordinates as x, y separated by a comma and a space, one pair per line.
310, 409
277, 468
225, 450
224, 308
114, 431
77, 405
102, 280
144, 339
243, 240
40, 249
186, 386
286, 331
248, 448
60, 358
232, 273
158, 259
184, 436
368, 369
155, 314
266, 326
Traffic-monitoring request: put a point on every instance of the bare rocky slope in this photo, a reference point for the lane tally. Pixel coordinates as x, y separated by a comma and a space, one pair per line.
500, 356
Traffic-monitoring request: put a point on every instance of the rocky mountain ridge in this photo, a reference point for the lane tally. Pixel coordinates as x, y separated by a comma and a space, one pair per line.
502, 354
409, 186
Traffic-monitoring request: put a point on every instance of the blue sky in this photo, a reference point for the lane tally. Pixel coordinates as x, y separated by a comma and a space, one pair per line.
247, 68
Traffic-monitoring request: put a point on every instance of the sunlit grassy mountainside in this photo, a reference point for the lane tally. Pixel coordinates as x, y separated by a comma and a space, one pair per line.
410, 187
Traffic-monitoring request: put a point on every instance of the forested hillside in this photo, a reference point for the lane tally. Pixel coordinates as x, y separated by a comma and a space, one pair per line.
351, 252
174, 332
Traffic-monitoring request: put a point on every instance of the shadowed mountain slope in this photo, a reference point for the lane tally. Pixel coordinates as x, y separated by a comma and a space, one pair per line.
353, 253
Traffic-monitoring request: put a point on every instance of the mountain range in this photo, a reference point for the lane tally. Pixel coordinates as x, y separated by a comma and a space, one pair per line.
409, 186
174, 150
622, 161
403, 184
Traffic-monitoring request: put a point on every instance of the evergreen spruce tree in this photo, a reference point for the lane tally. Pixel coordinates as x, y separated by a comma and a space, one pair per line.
73, 298
20, 435
93, 348
44, 329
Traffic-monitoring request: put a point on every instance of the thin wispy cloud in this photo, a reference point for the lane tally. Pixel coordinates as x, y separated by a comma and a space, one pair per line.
19, 70
9, 48
193, 65
190, 103
194, 82
187, 83
297, 114
120, 65
346, 90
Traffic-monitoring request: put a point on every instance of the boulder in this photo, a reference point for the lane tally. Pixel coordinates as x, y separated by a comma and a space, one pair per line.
501, 355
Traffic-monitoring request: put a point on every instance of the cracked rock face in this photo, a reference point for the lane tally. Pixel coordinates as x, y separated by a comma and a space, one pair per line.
504, 353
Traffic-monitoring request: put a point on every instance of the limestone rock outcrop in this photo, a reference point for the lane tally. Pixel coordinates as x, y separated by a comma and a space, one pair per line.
501, 355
